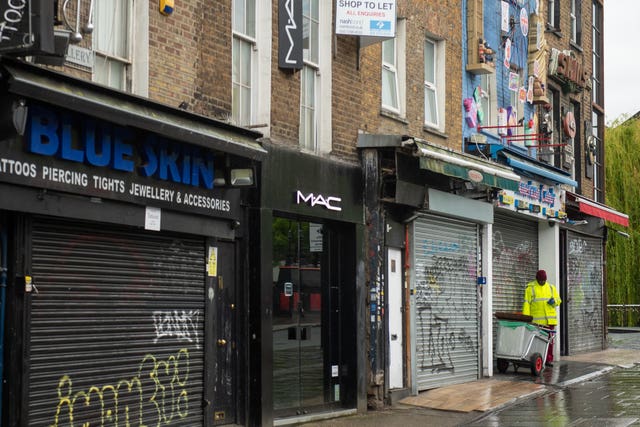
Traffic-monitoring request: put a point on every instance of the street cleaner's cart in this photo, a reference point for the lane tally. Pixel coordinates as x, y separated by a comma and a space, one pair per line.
521, 343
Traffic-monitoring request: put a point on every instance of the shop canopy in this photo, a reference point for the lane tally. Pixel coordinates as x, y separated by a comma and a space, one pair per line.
532, 168
81, 96
464, 166
596, 209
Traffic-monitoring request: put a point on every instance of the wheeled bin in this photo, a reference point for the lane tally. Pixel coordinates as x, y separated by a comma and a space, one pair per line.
523, 344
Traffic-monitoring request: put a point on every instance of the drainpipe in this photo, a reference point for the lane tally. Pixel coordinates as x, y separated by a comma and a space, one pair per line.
3, 303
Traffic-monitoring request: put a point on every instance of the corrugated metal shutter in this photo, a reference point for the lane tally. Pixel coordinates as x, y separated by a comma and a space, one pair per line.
446, 301
515, 262
584, 288
116, 328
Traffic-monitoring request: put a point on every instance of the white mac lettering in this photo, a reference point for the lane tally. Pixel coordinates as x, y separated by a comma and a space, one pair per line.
328, 202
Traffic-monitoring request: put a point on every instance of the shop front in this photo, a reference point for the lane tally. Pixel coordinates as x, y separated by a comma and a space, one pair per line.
434, 208
125, 228
525, 239
312, 290
583, 238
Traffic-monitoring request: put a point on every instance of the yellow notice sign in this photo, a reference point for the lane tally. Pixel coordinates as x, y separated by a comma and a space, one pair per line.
212, 262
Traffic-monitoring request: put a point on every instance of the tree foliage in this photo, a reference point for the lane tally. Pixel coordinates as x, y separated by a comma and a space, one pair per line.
622, 166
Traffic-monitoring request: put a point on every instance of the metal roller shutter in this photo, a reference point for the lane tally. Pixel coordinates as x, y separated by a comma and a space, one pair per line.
515, 260
584, 288
446, 302
116, 328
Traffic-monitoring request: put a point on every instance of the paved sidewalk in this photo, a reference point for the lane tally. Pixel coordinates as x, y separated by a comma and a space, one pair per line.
461, 404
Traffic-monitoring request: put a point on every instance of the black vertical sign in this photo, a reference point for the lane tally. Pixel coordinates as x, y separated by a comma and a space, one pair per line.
290, 34
26, 26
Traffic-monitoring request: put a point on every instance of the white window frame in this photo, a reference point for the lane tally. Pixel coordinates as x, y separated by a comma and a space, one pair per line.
489, 101
109, 56
390, 68
322, 86
514, 96
243, 39
437, 86
574, 22
398, 69
551, 14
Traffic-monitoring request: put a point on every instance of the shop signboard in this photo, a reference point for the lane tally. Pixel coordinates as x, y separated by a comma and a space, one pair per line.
26, 27
366, 18
78, 154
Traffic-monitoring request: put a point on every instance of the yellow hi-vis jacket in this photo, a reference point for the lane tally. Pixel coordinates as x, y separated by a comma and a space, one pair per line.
536, 297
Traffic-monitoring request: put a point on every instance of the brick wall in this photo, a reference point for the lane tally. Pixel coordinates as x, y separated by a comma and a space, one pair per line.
190, 61
439, 20
583, 52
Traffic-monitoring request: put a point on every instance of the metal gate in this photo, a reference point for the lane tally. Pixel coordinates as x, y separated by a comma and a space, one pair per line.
515, 261
584, 288
446, 302
116, 326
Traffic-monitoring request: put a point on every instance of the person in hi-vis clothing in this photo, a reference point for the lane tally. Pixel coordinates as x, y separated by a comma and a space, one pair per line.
540, 301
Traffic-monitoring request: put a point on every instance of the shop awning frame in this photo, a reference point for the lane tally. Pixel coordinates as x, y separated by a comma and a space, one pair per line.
537, 170
460, 165
593, 208
126, 109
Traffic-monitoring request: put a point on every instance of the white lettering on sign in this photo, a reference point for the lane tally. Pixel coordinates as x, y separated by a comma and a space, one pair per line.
329, 202
11, 19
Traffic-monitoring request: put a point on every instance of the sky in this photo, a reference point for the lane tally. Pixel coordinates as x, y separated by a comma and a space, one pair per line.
621, 58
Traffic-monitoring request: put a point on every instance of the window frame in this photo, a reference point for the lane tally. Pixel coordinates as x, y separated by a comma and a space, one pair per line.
576, 22
598, 173
392, 69
553, 15
319, 141
241, 113
597, 93
431, 86
488, 86
109, 57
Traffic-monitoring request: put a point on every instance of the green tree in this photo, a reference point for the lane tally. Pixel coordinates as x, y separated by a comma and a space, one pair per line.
622, 166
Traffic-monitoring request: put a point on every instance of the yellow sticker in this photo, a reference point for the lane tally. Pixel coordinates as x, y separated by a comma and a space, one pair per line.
212, 262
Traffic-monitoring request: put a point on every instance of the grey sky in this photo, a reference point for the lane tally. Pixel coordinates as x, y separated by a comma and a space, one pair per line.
621, 58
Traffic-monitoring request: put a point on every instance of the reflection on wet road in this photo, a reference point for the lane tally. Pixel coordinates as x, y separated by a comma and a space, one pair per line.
612, 399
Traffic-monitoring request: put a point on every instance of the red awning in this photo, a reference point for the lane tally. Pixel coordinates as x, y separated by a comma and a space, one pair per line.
599, 210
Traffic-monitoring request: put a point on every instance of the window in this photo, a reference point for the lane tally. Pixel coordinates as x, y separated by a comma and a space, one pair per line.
112, 43
488, 100
594, 164
596, 76
514, 100
553, 14
310, 53
244, 42
576, 22
394, 71
390, 97
315, 77
434, 84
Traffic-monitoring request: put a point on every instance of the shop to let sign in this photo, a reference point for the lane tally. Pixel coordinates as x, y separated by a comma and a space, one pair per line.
366, 18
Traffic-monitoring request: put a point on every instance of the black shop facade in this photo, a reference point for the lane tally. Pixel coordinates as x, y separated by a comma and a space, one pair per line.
124, 228
311, 308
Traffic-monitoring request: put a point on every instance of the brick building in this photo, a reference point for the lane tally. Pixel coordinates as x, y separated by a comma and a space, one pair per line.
263, 212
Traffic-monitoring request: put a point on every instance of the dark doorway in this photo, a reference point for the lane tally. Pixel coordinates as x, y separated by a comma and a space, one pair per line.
310, 289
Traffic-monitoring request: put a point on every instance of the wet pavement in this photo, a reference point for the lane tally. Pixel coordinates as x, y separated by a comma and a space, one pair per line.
612, 399
592, 389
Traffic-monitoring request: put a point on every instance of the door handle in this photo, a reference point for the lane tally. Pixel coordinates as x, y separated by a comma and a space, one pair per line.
222, 342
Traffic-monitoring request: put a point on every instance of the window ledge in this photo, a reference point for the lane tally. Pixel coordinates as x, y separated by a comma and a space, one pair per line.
480, 68
576, 46
555, 31
435, 131
394, 116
